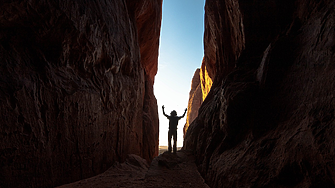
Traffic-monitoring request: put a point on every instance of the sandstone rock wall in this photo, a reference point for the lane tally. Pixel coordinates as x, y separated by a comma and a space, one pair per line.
268, 120
75, 87
206, 80
195, 100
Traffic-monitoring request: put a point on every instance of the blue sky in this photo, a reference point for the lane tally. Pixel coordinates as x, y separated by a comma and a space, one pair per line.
180, 54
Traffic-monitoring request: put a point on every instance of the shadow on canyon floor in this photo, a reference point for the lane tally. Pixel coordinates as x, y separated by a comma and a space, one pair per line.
166, 170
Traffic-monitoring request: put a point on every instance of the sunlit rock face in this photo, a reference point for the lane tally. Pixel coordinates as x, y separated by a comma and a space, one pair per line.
195, 100
268, 120
206, 79
76, 87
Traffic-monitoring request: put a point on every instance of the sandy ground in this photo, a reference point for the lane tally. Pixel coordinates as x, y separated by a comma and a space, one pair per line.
163, 149
166, 170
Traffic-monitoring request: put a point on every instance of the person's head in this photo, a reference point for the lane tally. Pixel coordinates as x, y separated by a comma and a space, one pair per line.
173, 113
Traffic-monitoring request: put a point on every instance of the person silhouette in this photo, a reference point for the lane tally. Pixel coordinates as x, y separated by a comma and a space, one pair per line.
173, 118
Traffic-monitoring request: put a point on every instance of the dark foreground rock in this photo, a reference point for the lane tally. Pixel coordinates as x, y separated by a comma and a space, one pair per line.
76, 87
269, 119
166, 170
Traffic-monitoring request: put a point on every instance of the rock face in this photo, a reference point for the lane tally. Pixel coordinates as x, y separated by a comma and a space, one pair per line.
268, 120
195, 100
76, 87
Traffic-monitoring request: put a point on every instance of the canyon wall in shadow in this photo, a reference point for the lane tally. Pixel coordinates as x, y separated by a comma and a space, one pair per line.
268, 120
76, 87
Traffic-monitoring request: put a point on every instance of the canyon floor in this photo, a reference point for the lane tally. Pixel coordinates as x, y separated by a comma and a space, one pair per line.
166, 170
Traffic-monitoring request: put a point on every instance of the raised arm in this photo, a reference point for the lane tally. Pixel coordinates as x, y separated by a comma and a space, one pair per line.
164, 111
184, 113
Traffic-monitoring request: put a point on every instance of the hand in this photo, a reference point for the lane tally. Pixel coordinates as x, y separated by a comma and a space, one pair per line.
163, 106
185, 109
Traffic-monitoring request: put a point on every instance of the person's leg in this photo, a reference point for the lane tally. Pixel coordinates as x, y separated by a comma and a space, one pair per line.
169, 139
175, 142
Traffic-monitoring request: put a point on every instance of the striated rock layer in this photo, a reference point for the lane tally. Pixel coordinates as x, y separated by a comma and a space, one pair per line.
268, 120
76, 87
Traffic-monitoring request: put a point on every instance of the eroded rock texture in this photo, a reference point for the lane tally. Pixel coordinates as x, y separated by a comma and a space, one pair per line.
268, 120
75, 87
195, 100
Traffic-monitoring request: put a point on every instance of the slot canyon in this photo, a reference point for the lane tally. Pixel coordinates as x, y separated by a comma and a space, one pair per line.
78, 107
